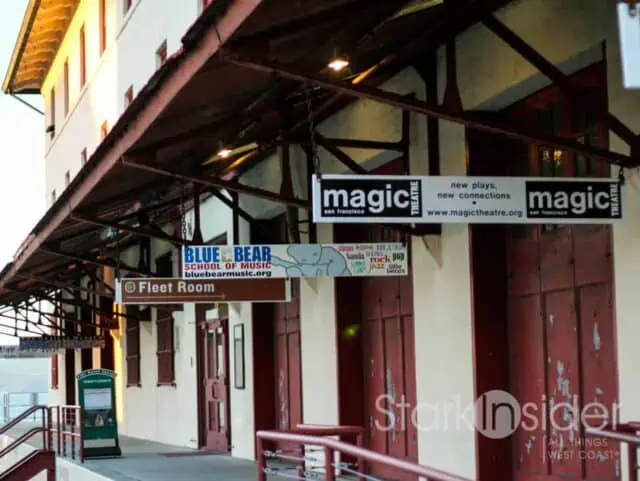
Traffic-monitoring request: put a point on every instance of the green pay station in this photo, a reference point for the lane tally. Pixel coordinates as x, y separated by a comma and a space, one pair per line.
97, 398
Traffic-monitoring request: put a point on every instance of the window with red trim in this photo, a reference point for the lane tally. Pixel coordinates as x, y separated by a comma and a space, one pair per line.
66, 87
102, 19
54, 372
133, 346
83, 57
164, 324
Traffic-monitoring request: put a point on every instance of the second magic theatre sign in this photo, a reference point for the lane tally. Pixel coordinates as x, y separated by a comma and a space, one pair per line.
203, 291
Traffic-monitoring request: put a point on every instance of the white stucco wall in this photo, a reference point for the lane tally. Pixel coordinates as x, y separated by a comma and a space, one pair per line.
625, 104
570, 34
169, 414
129, 60
490, 76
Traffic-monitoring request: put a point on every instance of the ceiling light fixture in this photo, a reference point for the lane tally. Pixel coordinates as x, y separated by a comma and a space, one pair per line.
338, 63
223, 153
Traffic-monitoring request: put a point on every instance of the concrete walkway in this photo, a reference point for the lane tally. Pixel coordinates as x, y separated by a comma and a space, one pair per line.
147, 461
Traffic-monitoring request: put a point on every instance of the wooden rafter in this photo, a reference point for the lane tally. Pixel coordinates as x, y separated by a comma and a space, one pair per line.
426, 108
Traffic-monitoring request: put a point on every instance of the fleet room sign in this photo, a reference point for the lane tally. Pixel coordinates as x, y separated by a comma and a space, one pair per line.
482, 200
178, 291
294, 261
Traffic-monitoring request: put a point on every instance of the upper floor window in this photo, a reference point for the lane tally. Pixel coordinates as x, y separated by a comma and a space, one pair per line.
83, 57
52, 113
83, 156
67, 178
102, 20
126, 5
161, 55
66, 87
128, 97
103, 130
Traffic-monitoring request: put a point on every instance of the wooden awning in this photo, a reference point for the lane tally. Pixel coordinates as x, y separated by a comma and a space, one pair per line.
43, 27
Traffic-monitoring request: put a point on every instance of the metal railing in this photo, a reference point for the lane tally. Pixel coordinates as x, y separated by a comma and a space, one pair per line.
623, 433
12, 404
65, 422
307, 436
68, 427
44, 429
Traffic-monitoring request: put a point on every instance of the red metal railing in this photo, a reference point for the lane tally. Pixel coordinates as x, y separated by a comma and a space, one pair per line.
356, 432
64, 421
330, 447
624, 433
68, 426
45, 429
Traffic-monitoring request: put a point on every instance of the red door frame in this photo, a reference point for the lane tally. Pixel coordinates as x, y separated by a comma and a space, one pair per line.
264, 347
206, 383
490, 335
351, 368
200, 316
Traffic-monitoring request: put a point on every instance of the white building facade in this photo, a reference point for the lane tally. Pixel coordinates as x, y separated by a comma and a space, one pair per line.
459, 335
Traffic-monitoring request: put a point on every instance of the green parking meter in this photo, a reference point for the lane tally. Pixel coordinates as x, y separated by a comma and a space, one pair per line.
97, 398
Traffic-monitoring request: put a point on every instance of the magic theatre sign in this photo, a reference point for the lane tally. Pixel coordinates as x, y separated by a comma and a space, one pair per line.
178, 291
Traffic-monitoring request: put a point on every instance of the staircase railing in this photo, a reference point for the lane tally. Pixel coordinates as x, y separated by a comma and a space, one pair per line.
65, 422
45, 429
623, 433
329, 448
68, 426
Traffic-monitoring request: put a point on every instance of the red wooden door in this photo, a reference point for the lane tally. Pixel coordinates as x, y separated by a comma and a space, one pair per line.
389, 363
561, 328
215, 392
287, 362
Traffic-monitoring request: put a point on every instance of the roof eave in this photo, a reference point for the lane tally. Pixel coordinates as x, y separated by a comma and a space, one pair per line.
21, 42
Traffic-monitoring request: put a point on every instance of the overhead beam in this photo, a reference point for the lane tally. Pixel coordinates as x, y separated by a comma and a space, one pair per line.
98, 262
425, 108
25, 321
60, 317
344, 159
351, 164
126, 228
220, 184
367, 144
94, 278
61, 285
14, 329
28, 322
554, 74
82, 304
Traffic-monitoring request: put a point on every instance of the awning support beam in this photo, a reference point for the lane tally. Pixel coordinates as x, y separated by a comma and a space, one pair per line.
425, 108
126, 228
366, 144
215, 183
554, 74
61, 285
345, 159
104, 263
